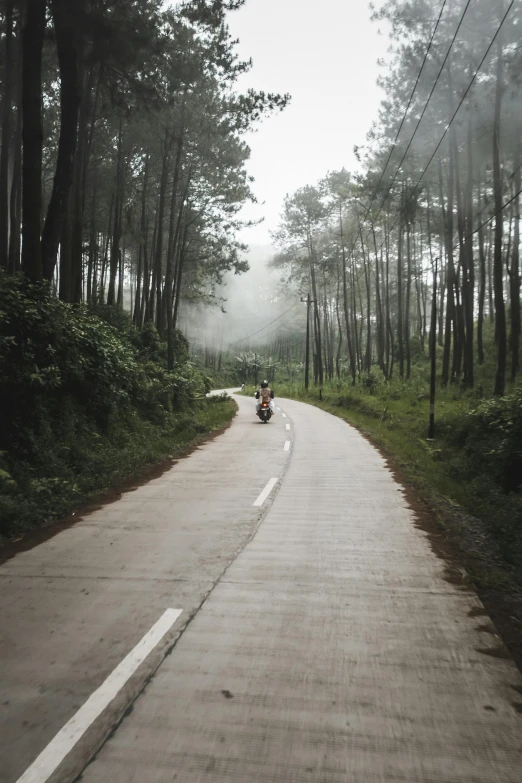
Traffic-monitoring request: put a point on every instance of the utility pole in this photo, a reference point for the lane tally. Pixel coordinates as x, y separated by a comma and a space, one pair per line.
433, 351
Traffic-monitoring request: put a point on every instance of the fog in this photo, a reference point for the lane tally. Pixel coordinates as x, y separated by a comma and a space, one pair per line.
315, 133
243, 305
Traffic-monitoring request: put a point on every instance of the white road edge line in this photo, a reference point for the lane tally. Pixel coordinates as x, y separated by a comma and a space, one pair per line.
284, 415
287, 445
287, 426
264, 494
52, 756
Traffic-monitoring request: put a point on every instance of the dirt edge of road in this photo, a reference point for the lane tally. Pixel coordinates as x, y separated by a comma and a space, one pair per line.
37, 536
470, 556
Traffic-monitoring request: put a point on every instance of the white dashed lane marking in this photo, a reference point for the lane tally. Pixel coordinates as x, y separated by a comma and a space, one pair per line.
265, 493
52, 756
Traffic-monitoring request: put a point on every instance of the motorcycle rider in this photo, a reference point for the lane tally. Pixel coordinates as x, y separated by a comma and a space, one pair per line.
265, 394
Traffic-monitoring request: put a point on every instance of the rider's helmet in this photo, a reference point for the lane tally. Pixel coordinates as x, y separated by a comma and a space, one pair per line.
264, 384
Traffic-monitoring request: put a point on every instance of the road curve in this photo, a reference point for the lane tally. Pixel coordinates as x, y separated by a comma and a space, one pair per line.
325, 645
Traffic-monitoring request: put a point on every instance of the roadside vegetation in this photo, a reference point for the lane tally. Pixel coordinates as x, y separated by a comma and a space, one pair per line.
90, 402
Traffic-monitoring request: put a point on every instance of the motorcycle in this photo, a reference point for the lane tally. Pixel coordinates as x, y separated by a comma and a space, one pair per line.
264, 412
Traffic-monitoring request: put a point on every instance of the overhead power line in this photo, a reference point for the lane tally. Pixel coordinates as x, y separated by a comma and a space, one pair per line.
279, 326
408, 107
413, 278
244, 339
464, 239
358, 235
463, 98
425, 107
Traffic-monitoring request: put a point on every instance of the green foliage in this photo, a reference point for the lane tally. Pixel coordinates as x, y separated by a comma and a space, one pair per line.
491, 440
370, 382
89, 399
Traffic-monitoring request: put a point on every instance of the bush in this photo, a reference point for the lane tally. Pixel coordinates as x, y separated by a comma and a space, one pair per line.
370, 381
493, 439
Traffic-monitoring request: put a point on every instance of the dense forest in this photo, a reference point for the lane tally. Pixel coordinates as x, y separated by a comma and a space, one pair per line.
133, 165
436, 209
122, 173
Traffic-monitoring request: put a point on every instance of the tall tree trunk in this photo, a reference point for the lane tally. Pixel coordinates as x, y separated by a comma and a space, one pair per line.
93, 249
378, 307
367, 280
146, 275
400, 314
407, 304
491, 306
15, 207
450, 274
179, 278
142, 260
498, 276
79, 188
460, 272
173, 303
354, 318
136, 310
351, 356
116, 233
7, 115
419, 284
361, 326
107, 242
339, 329
430, 250
442, 290
514, 278
121, 264
481, 293
32, 136
389, 345
171, 248
158, 261
326, 333
317, 319
443, 260
67, 18
66, 278
469, 283
149, 310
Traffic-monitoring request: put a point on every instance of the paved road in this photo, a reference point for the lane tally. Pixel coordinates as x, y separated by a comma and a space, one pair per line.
325, 643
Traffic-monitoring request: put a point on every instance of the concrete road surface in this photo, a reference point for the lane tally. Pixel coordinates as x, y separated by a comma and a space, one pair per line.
318, 640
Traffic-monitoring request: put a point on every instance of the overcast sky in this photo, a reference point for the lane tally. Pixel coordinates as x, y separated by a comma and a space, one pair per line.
324, 53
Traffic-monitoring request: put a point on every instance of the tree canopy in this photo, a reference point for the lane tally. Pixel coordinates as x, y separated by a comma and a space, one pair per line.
123, 165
